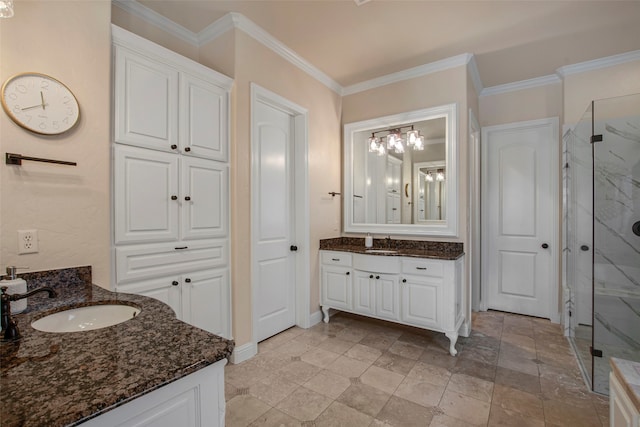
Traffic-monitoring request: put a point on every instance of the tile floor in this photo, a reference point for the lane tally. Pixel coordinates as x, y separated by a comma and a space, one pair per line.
354, 371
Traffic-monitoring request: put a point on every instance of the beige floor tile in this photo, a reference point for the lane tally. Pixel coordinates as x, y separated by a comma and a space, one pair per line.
364, 398
400, 412
298, 372
272, 389
293, 348
443, 420
471, 386
352, 334
340, 415
475, 369
558, 413
405, 349
518, 380
319, 357
501, 417
244, 409
328, 383
528, 366
348, 367
577, 396
395, 363
381, 379
431, 374
304, 404
518, 403
440, 357
382, 342
466, 408
311, 338
363, 353
336, 345
420, 392
275, 418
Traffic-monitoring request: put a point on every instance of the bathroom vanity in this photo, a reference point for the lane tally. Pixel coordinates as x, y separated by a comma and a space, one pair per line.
152, 368
409, 282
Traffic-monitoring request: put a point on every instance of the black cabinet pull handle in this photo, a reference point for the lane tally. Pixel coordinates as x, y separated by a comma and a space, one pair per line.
377, 277
584, 248
421, 268
293, 248
335, 259
545, 245
174, 197
187, 149
187, 198
181, 247
187, 280
175, 283
174, 146
371, 276
348, 273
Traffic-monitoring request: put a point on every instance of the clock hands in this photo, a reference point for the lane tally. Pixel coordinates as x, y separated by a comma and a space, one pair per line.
42, 104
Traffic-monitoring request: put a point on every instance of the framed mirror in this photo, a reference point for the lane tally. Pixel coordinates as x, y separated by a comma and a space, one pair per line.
400, 174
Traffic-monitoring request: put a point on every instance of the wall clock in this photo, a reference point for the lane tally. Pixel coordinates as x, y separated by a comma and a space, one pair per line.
39, 103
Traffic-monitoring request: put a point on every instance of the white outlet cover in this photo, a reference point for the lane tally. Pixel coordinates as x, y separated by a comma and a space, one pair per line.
27, 241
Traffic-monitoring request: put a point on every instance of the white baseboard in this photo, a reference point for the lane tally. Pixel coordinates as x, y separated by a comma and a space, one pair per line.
243, 352
315, 318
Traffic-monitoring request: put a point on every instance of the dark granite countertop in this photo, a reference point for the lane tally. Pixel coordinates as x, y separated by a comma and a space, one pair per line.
407, 248
60, 379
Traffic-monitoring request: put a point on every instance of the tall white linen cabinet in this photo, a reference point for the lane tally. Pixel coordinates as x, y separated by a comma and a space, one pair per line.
171, 181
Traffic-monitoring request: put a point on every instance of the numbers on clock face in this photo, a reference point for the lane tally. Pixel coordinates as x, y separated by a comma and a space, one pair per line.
40, 103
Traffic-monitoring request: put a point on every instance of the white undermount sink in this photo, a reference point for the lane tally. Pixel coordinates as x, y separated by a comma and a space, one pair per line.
381, 251
86, 318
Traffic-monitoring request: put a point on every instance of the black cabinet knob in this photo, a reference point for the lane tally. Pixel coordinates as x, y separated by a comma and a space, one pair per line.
187, 198
348, 273
584, 248
187, 149
174, 146
187, 280
371, 276
377, 277
404, 280
175, 283
545, 245
174, 197
293, 248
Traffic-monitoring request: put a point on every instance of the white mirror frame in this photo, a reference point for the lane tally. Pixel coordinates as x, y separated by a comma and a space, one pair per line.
445, 228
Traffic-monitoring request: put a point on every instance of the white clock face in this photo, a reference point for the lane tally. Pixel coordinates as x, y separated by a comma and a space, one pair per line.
40, 103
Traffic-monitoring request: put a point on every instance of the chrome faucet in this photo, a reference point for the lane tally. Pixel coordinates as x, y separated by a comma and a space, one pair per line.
9, 325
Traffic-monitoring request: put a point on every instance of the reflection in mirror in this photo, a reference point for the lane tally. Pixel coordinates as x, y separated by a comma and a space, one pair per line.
400, 173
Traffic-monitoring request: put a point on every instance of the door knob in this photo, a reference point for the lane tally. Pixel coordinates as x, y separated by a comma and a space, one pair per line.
545, 245
293, 248
636, 228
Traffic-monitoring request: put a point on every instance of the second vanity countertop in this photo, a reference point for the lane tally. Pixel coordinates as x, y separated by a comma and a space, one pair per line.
59, 379
407, 248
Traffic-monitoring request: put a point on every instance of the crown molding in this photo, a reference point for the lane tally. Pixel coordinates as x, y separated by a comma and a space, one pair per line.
523, 84
419, 71
216, 29
140, 11
475, 75
607, 61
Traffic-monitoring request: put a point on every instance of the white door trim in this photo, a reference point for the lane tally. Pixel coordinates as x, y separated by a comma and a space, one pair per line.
301, 208
473, 218
554, 312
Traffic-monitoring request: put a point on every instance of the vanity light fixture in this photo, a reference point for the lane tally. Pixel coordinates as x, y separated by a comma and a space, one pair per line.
395, 141
6, 8
440, 175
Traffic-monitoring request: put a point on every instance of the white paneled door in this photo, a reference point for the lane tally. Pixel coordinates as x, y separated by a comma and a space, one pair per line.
519, 216
273, 220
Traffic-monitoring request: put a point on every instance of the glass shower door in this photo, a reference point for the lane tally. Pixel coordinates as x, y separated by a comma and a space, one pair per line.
616, 234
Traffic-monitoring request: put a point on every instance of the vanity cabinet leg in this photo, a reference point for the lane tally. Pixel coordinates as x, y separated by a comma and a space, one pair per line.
325, 311
453, 337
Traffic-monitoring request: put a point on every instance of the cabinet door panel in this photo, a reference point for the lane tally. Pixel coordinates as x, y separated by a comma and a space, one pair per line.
162, 289
336, 291
205, 301
203, 118
145, 182
364, 293
204, 215
421, 301
387, 297
146, 100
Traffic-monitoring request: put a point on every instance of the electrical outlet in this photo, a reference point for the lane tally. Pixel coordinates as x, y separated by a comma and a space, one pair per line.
27, 241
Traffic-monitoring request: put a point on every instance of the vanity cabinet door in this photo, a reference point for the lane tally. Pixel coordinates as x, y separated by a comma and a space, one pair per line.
364, 292
422, 301
387, 296
145, 195
203, 118
146, 101
336, 287
166, 289
204, 199
206, 302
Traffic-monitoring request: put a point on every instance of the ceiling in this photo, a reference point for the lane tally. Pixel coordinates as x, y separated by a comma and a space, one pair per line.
511, 40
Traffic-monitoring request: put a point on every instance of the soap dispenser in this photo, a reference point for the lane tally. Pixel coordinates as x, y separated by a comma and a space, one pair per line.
15, 285
368, 241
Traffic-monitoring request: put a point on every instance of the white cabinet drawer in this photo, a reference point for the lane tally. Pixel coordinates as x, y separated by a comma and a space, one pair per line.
377, 263
423, 267
154, 260
336, 258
